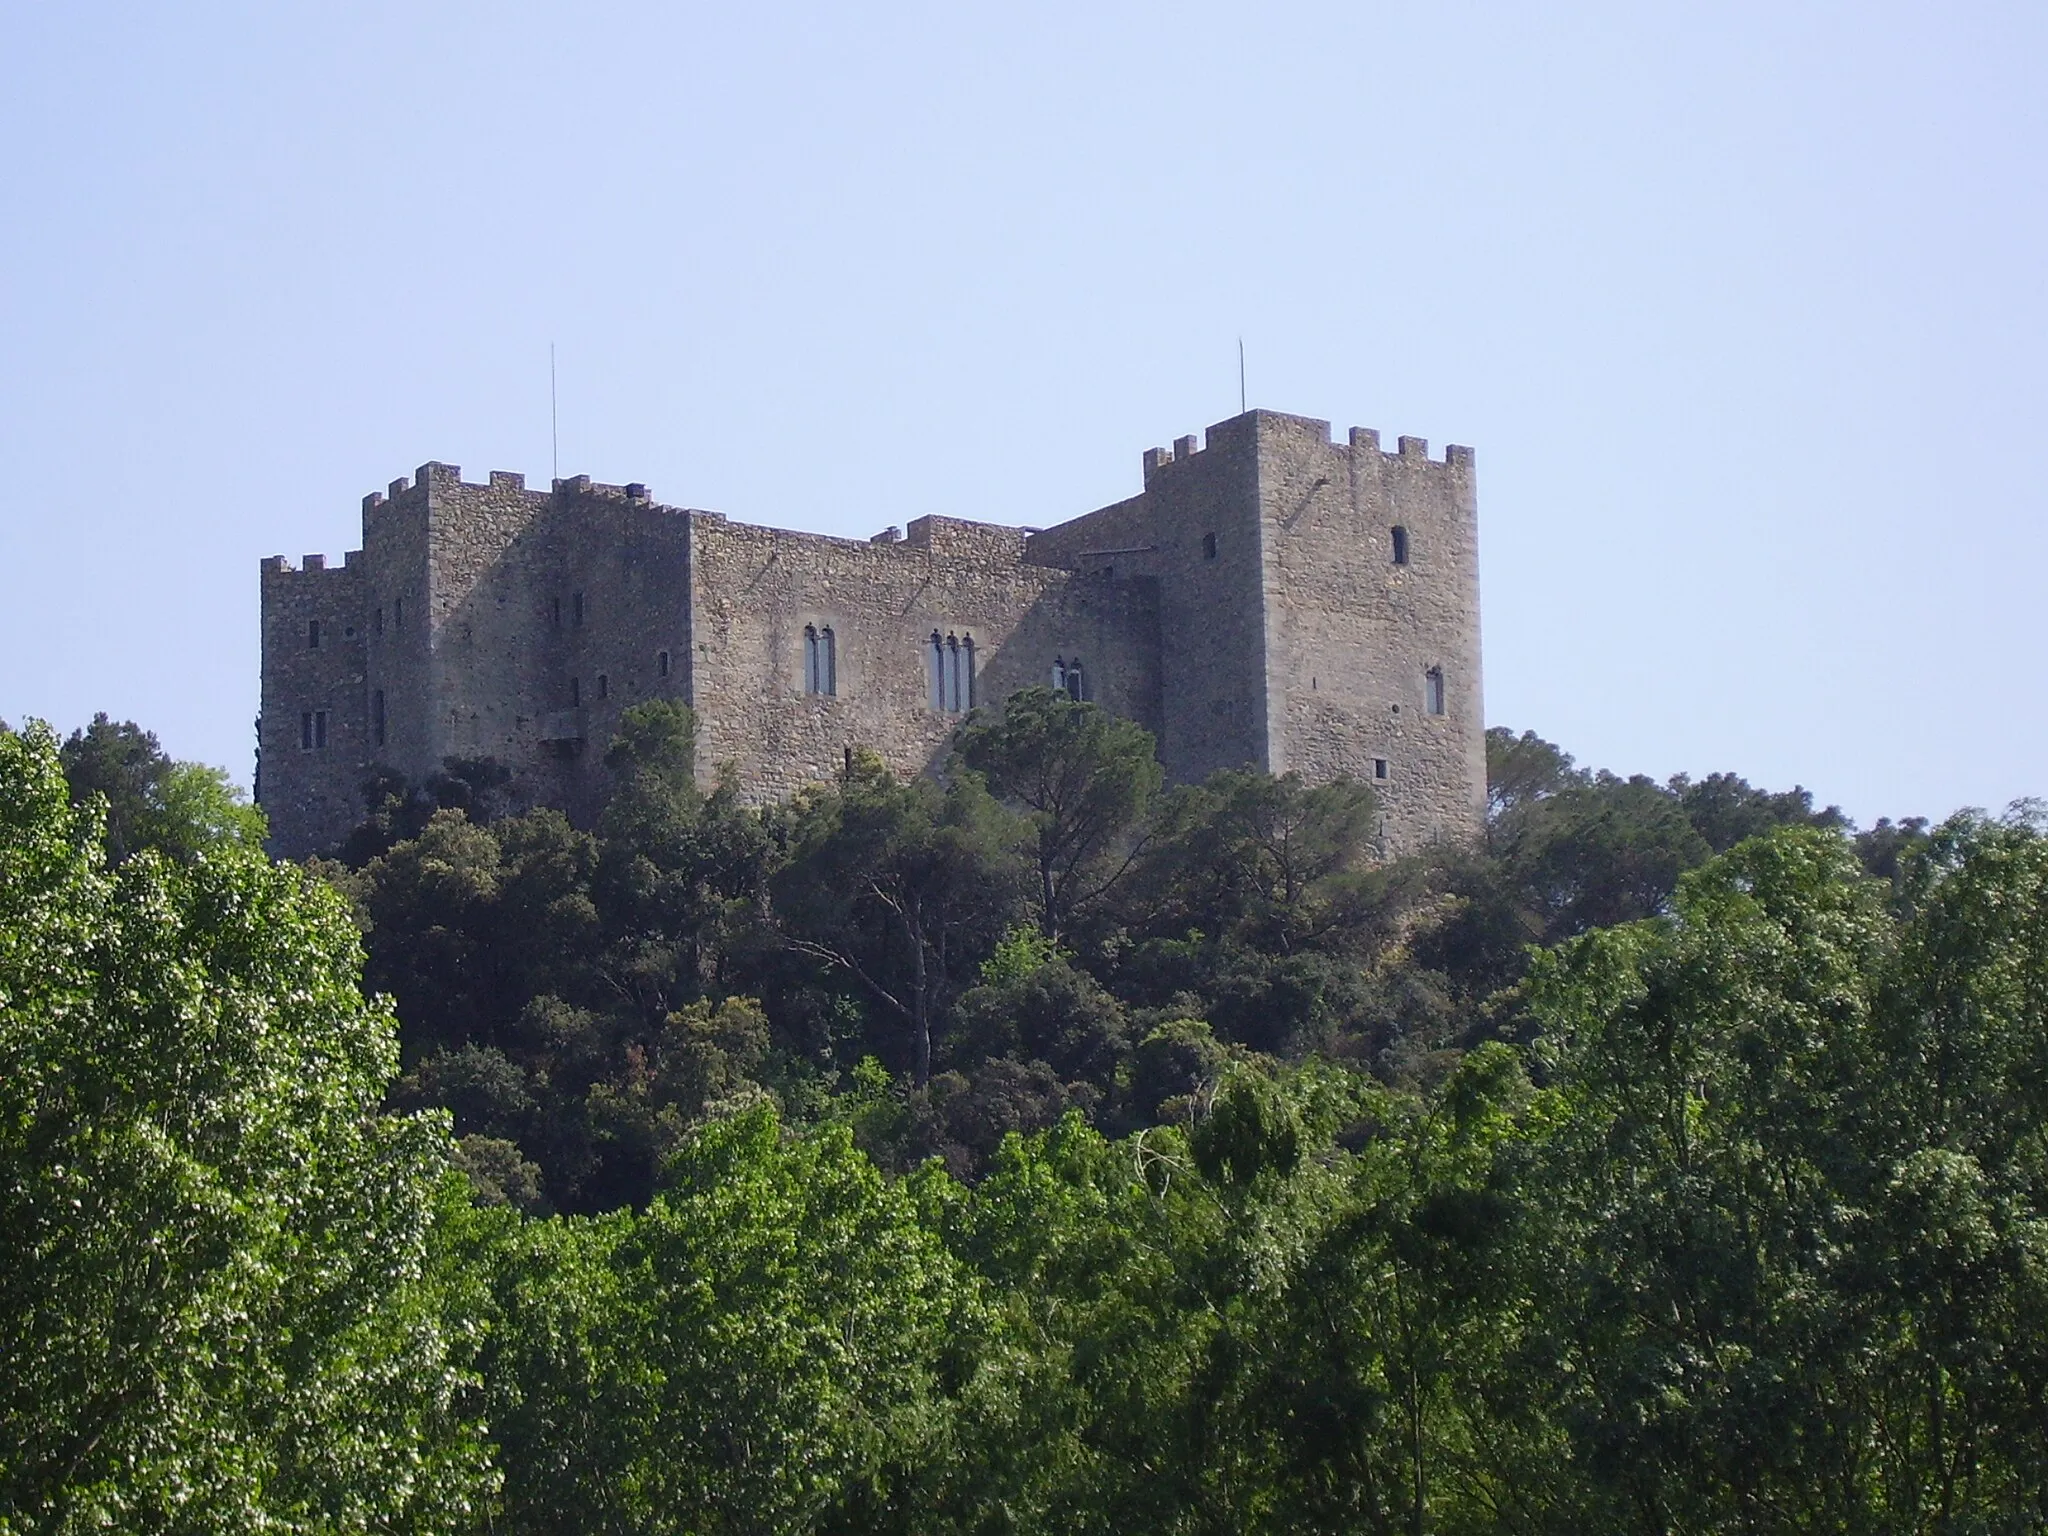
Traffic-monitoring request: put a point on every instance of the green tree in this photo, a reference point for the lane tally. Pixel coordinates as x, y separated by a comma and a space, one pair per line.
903, 887
768, 1343
216, 1306
179, 809
1082, 775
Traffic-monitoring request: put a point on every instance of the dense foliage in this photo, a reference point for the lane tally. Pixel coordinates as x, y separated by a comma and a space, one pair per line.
1675, 1161
1046, 930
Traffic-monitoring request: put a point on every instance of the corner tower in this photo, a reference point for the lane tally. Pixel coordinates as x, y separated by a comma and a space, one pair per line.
1319, 611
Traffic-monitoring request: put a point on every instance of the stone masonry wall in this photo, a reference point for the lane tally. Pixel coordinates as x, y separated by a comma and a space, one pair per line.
1352, 636
755, 590
1212, 637
313, 731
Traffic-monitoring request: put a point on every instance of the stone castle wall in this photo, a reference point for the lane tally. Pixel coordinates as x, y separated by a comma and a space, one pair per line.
1353, 635
1244, 607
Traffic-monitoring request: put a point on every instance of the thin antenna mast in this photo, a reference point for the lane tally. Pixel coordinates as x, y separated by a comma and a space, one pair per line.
554, 414
1241, 407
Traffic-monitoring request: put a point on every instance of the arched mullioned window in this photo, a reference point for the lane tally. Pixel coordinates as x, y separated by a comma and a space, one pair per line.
821, 661
1400, 546
951, 674
1077, 687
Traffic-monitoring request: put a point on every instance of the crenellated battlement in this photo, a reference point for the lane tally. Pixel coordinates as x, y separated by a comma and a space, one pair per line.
1359, 439
309, 565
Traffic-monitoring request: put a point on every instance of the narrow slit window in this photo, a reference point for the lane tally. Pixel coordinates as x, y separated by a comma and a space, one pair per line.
377, 717
1400, 546
306, 731
575, 693
1433, 690
576, 609
319, 727
380, 618
555, 611
935, 671
604, 685
312, 634
661, 663
398, 613
953, 673
828, 661
1077, 687
813, 670
967, 671
1208, 546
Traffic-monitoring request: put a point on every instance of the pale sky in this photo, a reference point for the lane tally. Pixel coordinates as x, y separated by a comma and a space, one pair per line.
1741, 307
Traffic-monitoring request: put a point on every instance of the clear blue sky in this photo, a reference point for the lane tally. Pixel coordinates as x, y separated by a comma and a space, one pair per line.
1741, 306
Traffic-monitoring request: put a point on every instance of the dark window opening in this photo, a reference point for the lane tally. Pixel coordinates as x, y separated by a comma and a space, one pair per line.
555, 611
348, 632
1400, 546
312, 634
313, 729
575, 693
661, 663
1208, 546
950, 682
1077, 688
821, 664
1433, 690
604, 685
377, 716
380, 618
576, 609
306, 731
398, 613
1379, 767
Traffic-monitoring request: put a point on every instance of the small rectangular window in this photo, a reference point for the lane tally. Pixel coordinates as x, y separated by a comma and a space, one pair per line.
604, 685
1400, 546
1208, 546
312, 634
661, 663
1379, 767
1433, 690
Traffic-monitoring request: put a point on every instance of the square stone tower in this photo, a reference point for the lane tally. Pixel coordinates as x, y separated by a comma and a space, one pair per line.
1319, 611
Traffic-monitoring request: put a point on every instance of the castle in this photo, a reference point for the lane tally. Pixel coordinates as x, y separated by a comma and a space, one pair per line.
1270, 598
